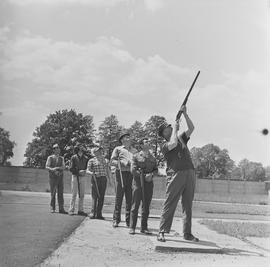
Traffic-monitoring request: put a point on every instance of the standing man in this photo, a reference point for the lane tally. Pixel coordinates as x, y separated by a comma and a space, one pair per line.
98, 167
121, 159
55, 165
143, 168
181, 177
78, 167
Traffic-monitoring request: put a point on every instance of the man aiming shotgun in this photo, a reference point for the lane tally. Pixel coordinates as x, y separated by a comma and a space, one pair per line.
180, 173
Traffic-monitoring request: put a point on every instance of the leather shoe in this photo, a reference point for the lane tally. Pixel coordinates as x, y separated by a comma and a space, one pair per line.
160, 237
132, 231
146, 232
63, 212
191, 237
82, 213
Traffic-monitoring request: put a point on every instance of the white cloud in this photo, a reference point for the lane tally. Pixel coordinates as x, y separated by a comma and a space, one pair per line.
40, 75
94, 3
154, 5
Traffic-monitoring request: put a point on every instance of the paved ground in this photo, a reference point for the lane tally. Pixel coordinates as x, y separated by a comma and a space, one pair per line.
29, 233
26, 225
95, 243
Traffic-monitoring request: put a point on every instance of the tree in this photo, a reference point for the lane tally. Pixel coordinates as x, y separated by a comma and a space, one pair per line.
151, 130
6, 147
66, 128
211, 161
267, 173
252, 171
137, 132
109, 132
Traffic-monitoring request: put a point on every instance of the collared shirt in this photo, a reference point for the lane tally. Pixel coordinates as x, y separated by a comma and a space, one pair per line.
145, 162
124, 155
55, 161
179, 158
99, 166
77, 164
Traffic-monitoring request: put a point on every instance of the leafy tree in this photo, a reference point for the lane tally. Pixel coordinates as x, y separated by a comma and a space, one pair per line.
6, 147
267, 173
151, 131
211, 161
137, 132
252, 171
109, 132
66, 128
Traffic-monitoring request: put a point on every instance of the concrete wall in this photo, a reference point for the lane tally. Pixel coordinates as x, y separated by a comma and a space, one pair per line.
20, 178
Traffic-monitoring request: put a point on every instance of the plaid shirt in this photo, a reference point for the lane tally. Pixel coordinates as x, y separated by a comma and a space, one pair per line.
98, 166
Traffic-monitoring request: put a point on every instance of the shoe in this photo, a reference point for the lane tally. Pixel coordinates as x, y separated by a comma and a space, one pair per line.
132, 231
71, 213
115, 224
146, 232
82, 213
127, 224
92, 217
63, 212
160, 237
191, 237
100, 218
52, 210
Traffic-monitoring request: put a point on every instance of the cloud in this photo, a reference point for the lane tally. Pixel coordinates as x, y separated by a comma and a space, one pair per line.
154, 5
151, 5
40, 75
73, 74
93, 3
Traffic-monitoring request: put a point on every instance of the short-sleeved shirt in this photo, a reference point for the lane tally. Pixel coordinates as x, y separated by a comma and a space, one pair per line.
55, 161
147, 163
178, 159
77, 164
98, 166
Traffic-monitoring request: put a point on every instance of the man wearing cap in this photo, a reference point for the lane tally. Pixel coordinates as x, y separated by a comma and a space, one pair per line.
143, 168
55, 165
78, 167
98, 167
121, 159
181, 177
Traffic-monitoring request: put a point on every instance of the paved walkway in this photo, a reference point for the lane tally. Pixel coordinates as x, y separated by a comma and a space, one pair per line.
96, 243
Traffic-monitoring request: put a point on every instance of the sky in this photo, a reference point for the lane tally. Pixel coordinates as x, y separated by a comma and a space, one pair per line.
137, 58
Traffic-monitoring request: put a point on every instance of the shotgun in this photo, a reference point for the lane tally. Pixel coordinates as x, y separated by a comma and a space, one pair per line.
186, 98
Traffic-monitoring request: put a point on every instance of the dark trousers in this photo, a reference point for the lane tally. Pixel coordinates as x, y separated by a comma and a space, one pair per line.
137, 197
57, 185
97, 202
127, 190
180, 184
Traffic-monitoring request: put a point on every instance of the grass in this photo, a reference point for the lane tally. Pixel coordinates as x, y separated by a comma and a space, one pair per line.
238, 229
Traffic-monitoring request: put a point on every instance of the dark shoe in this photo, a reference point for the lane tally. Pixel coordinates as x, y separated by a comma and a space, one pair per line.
132, 231
92, 216
100, 218
160, 237
63, 212
127, 224
115, 224
191, 237
82, 213
146, 232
